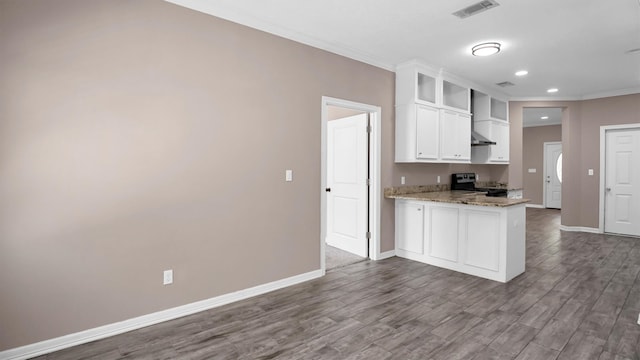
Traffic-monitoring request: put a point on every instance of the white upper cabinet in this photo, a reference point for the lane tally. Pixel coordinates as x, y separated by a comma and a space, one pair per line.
456, 97
491, 120
427, 134
455, 136
497, 131
426, 89
433, 122
487, 107
417, 84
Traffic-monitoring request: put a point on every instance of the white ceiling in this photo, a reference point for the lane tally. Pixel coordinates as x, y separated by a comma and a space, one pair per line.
534, 116
578, 46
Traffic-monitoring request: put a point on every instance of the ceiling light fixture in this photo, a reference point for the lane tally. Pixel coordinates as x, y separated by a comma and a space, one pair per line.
486, 49
552, 90
521, 73
544, 117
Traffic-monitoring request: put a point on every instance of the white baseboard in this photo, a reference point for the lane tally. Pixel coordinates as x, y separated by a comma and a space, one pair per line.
386, 255
537, 206
66, 341
580, 229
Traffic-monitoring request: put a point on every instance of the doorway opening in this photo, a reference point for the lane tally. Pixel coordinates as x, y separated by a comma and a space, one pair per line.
542, 172
350, 182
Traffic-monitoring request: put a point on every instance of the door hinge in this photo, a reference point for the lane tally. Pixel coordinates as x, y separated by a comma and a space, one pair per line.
369, 128
368, 234
368, 182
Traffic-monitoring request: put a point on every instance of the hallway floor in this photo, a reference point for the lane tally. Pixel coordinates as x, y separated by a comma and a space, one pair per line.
336, 258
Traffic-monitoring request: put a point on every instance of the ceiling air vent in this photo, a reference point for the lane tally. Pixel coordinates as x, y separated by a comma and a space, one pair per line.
475, 8
505, 84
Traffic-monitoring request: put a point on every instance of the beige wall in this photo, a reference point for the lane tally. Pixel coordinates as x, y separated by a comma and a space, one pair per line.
514, 175
139, 136
596, 113
533, 139
581, 122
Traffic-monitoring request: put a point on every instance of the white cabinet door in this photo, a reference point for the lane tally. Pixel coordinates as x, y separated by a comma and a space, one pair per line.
427, 134
455, 139
497, 131
481, 239
410, 227
442, 232
500, 134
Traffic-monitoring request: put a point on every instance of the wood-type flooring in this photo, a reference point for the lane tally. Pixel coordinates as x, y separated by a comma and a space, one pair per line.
578, 299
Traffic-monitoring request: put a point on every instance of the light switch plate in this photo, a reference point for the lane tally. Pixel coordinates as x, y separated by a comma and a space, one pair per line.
590, 172
533, 171
438, 179
288, 175
167, 277
402, 180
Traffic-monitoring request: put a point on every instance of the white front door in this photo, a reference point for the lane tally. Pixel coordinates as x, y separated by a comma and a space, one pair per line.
347, 169
622, 182
553, 175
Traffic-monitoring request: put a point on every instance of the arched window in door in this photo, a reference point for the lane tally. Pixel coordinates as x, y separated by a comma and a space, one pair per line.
559, 168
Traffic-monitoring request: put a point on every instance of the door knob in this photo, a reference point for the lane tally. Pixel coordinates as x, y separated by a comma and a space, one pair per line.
608, 189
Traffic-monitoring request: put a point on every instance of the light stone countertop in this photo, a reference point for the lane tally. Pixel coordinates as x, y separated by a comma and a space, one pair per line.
457, 197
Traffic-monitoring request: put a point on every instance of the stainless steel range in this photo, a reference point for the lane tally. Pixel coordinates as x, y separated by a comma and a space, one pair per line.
467, 182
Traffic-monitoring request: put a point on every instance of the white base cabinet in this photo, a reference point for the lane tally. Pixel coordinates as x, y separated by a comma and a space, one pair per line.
484, 241
409, 227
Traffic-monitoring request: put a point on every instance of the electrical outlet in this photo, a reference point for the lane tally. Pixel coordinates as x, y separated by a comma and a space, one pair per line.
167, 277
402, 179
288, 175
438, 179
590, 172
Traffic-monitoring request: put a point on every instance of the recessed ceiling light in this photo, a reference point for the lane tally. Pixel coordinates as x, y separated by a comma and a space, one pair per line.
521, 73
544, 117
552, 90
486, 49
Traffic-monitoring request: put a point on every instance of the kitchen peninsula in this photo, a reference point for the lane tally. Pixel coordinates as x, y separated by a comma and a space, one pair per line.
463, 231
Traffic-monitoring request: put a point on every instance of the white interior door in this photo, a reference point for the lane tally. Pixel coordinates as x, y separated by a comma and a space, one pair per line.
622, 182
553, 175
347, 169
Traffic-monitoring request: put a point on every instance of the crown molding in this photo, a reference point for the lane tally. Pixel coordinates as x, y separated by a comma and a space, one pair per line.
592, 96
220, 10
612, 93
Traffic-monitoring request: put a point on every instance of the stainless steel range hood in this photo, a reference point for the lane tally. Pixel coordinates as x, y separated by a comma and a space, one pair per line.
479, 140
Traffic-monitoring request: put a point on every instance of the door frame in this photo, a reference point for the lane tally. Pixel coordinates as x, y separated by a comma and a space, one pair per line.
603, 165
375, 116
544, 170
